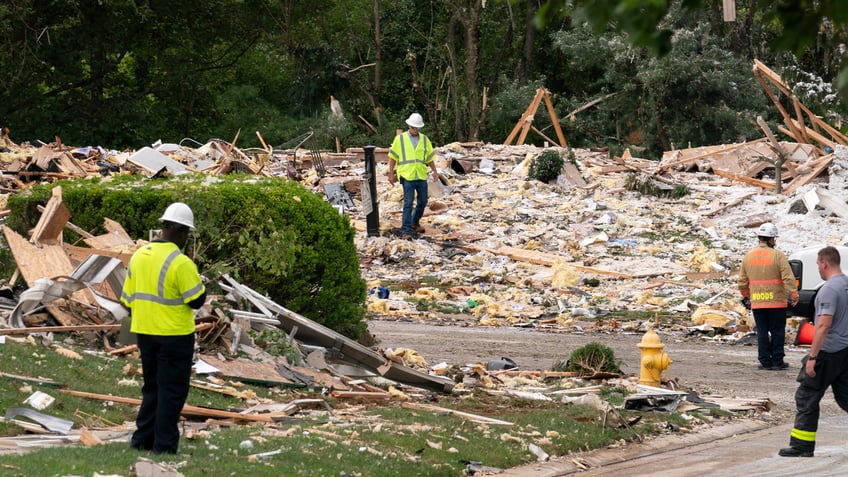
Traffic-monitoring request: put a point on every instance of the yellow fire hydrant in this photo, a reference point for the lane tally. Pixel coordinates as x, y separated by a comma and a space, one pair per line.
654, 361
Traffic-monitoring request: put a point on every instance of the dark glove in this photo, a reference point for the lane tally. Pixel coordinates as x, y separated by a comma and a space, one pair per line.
746, 302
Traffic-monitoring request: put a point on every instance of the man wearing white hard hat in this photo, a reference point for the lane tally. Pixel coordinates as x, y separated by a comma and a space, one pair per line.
409, 157
767, 284
161, 291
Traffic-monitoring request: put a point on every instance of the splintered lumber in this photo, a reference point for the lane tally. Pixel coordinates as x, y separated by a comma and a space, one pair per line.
187, 410
264, 373
541, 258
58, 329
35, 263
526, 122
808, 174
114, 237
464, 415
52, 221
28, 379
748, 180
360, 394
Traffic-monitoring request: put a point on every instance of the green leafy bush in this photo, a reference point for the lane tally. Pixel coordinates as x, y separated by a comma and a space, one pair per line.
270, 234
592, 359
647, 186
546, 166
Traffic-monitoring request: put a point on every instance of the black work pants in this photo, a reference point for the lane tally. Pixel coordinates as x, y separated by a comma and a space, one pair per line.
166, 362
831, 371
771, 335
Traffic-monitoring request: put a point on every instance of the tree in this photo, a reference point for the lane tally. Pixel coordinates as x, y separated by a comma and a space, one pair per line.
798, 25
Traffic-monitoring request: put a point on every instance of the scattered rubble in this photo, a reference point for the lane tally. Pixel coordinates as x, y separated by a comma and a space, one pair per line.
498, 250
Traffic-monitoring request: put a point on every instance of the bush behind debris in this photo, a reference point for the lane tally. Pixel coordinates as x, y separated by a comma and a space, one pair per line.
271, 234
546, 166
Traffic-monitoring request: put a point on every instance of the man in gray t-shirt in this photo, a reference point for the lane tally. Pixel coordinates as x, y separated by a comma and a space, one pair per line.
827, 364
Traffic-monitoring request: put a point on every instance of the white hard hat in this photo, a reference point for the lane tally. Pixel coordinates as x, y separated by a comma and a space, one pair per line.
767, 229
179, 213
415, 120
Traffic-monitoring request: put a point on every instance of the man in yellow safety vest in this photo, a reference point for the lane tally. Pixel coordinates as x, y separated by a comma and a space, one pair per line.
161, 290
410, 155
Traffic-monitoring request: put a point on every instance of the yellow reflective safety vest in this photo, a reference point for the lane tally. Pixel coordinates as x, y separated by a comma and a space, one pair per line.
160, 282
411, 161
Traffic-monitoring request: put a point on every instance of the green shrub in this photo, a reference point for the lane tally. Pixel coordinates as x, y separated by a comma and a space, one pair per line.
546, 166
647, 186
270, 234
592, 359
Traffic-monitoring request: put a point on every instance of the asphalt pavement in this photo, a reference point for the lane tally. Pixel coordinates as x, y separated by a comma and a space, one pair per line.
746, 448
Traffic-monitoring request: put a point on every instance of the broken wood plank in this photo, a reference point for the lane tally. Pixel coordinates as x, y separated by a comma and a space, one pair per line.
114, 238
35, 263
463, 415
748, 180
808, 174
186, 411
360, 394
70, 225
249, 371
49, 227
78, 255
58, 329
28, 379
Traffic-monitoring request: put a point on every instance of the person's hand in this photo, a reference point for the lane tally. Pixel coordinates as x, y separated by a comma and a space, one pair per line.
392, 178
810, 368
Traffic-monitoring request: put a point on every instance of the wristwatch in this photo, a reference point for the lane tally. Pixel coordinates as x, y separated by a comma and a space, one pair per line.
812, 358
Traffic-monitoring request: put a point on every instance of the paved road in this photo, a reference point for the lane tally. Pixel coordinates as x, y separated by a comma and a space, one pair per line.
735, 450
745, 448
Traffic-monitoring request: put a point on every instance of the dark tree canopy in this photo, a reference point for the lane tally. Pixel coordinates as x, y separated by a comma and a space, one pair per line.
123, 74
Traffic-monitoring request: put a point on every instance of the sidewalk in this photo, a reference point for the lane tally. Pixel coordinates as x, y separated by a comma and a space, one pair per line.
733, 450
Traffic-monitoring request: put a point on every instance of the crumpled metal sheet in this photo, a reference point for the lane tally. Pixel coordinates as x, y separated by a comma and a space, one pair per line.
93, 271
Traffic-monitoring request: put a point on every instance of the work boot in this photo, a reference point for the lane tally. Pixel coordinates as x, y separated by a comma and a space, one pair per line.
780, 366
793, 452
406, 237
418, 228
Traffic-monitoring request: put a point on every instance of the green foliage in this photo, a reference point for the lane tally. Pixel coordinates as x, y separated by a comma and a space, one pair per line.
592, 359
647, 186
546, 166
277, 343
699, 93
271, 234
508, 104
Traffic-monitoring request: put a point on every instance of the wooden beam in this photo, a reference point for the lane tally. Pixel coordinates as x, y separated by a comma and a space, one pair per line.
52, 221
187, 410
685, 160
747, 180
527, 116
58, 329
463, 415
554, 119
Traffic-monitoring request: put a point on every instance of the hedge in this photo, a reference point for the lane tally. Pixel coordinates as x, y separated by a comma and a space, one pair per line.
270, 234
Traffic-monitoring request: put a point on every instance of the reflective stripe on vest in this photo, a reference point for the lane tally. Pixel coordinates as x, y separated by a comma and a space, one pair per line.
159, 298
409, 164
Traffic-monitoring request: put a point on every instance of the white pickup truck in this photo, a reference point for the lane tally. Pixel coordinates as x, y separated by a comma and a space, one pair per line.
803, 264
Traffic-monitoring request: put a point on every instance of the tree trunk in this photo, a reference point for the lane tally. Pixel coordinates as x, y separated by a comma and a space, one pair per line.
378, 65
528, 48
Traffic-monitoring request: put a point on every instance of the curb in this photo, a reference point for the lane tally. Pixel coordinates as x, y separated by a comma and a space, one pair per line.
583, 461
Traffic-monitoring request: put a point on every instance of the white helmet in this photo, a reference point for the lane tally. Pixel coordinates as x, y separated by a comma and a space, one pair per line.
415, 120
179, 213
767, 230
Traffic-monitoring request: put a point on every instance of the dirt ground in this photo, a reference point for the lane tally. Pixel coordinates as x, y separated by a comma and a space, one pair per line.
707, 367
